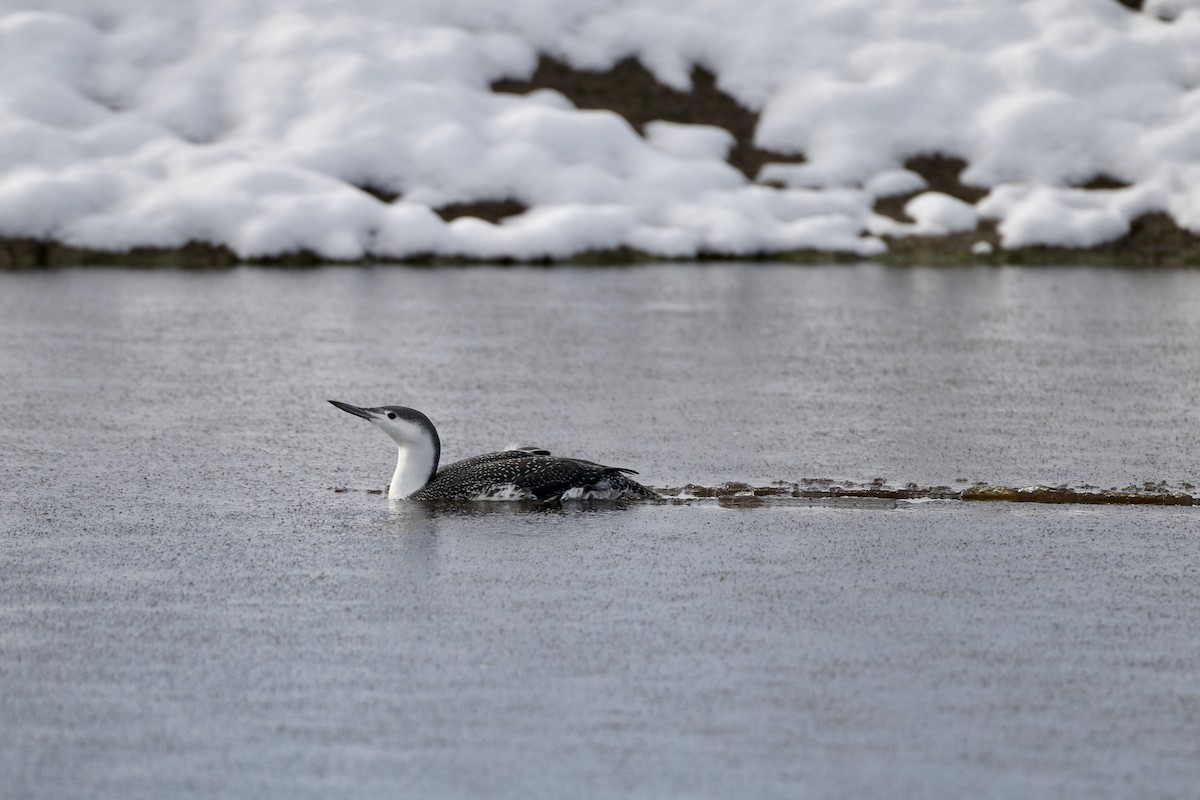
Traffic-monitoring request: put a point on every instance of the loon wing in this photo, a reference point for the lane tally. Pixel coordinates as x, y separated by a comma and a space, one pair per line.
549, 478
517, 474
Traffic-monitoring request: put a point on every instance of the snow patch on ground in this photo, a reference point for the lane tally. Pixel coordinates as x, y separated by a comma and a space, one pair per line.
937, 214
253, 125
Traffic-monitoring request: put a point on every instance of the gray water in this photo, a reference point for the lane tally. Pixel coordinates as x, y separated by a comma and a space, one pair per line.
188, 608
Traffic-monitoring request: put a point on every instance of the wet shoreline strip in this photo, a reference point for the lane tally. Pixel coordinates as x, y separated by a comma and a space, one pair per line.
1157, 495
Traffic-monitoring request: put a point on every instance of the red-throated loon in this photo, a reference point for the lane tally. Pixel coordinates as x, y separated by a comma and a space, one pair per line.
524, 474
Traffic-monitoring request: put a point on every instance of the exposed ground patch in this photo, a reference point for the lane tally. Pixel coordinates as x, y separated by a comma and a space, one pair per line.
941, 173
490, 210
630, 90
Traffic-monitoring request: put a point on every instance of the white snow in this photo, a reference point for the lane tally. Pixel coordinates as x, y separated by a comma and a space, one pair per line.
1070, 217
892, 182
937, 214
253, 124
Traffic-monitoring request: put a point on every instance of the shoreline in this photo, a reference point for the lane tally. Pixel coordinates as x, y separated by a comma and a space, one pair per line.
1144, 248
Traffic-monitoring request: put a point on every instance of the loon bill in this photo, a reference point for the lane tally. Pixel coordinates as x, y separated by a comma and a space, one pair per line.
528, 473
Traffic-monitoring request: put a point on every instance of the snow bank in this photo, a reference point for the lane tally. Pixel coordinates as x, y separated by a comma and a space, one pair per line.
258, 125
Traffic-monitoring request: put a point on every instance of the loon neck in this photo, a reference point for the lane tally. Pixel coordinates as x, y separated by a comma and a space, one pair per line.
415, 466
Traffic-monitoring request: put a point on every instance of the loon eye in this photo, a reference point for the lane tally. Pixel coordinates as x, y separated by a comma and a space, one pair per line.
391, 415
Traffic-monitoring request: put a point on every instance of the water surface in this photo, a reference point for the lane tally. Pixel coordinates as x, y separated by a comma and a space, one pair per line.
187, 607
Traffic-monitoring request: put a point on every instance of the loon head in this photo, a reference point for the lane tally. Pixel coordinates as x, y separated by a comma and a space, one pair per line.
415, 436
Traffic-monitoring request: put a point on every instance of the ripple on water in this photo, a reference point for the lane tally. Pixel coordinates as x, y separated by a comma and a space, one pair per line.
819, 489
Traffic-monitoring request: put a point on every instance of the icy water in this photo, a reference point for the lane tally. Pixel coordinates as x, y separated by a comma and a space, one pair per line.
190, 607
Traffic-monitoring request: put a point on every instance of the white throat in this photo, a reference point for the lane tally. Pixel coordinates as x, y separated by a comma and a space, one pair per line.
414, 463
